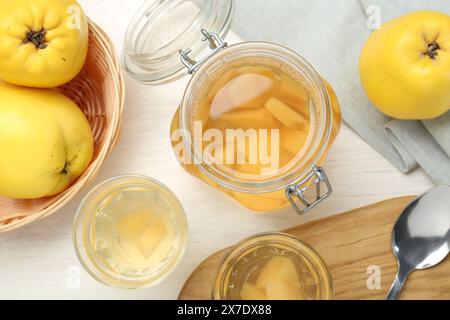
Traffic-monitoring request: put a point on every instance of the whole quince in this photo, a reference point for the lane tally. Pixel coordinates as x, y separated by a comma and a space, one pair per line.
46, 142
405, 66
43, 43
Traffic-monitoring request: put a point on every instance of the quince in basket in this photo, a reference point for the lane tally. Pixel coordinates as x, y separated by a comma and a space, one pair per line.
45, 142
43, 43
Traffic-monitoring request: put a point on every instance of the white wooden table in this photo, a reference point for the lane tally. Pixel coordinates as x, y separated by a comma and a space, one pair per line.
38, 261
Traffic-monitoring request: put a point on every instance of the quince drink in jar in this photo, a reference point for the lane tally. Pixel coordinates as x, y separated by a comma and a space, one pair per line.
272, 266
252, 121
256, 120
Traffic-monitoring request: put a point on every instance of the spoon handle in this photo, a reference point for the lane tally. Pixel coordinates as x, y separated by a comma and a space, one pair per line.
395, 289
397, 285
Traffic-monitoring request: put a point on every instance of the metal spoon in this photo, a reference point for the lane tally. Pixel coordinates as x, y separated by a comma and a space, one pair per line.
421, 236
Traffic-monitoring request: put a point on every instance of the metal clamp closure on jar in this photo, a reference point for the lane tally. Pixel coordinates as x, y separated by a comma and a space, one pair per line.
215, 43
317, 177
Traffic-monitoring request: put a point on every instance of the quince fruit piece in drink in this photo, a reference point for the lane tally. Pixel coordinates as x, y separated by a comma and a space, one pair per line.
285, 114
262, 149
282, 291
261, 70
291, 90
221, 82
140, 232
293, 140
249, 292
242, 92
218, 97
279, 270
278, 280
223, 155
271, 169
152, 236
259, 118
130, 226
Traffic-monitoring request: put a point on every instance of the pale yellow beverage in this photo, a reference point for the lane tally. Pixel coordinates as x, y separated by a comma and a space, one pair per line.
130, 232
132, 238
272, 266
273, 273
270, 110
262, 98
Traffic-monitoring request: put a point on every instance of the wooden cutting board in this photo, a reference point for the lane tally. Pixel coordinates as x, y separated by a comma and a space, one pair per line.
353, 245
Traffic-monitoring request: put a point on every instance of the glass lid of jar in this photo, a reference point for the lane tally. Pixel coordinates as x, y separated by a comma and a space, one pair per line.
161, 29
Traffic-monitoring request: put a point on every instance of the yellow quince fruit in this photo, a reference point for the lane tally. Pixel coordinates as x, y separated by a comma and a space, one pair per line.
43, 43
405, 66
46, 142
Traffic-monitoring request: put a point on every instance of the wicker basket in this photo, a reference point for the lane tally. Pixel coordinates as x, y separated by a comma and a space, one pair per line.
99, 91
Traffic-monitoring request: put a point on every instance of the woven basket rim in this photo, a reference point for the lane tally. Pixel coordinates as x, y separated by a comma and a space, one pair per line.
111, 137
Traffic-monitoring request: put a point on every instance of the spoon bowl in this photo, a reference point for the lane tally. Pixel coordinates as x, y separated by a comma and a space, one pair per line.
421, 236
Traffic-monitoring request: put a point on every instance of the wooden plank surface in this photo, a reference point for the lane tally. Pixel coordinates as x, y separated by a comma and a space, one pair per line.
352, 244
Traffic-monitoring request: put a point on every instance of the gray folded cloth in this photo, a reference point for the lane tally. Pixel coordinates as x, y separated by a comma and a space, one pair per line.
330, 35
